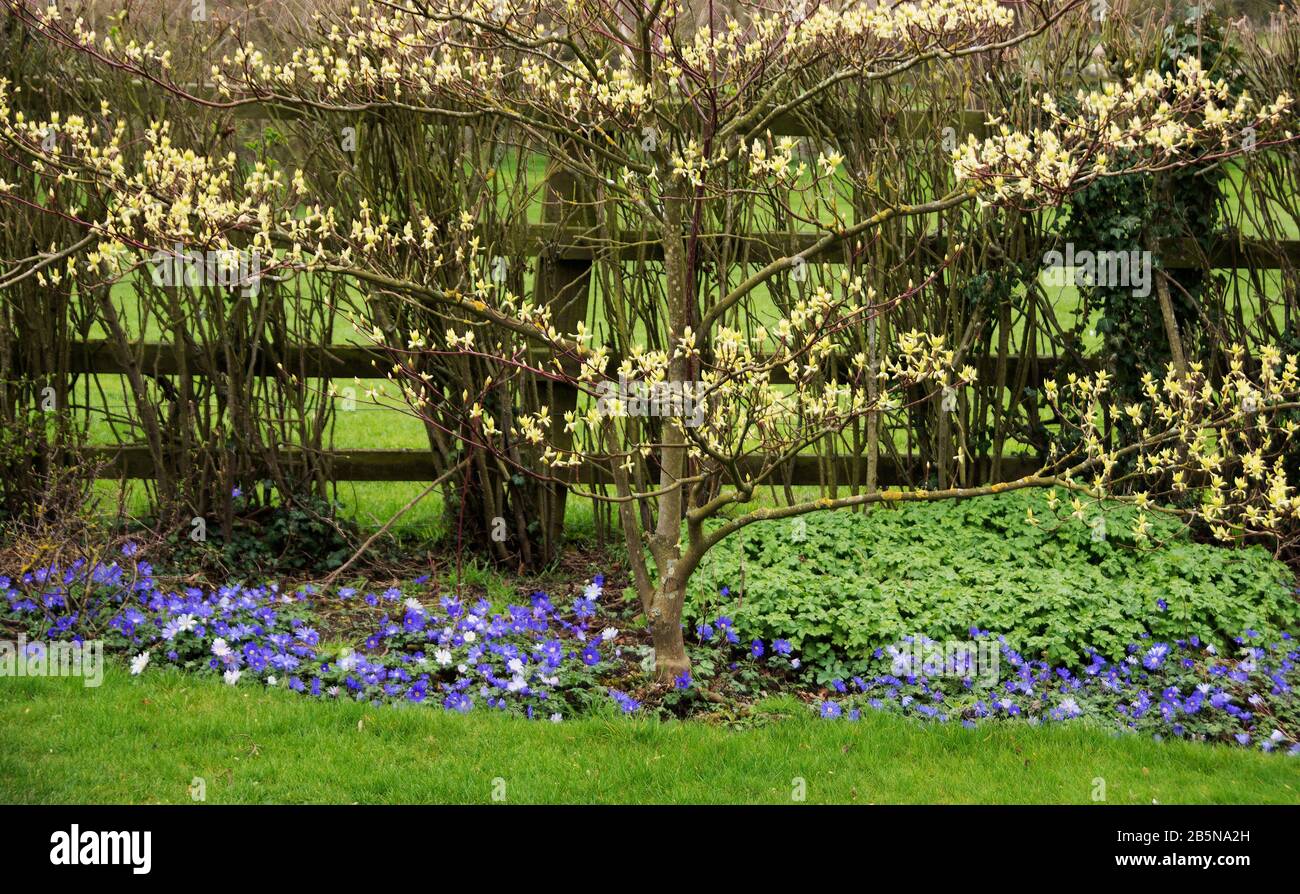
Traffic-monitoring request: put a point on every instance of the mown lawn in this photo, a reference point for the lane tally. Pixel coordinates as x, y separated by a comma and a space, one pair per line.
143, 740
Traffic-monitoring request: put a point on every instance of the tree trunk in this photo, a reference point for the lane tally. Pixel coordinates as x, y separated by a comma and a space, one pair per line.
665, 615
1152, 245
665, 620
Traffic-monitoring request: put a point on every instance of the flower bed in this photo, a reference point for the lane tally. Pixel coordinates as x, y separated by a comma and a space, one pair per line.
1183, 689
553, 657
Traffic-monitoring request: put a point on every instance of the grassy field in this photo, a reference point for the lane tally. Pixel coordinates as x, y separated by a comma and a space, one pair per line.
145, 740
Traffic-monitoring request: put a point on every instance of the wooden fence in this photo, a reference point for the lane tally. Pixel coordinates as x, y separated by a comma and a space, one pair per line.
566, 256
344, 361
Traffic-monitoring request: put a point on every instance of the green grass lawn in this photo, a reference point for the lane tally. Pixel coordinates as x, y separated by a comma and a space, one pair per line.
143, 740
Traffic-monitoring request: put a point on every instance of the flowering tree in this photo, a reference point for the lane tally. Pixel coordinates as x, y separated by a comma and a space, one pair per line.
708, 383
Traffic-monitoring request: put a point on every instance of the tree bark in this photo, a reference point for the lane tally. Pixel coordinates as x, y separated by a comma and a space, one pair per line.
665, 620
1152, 245
665, 615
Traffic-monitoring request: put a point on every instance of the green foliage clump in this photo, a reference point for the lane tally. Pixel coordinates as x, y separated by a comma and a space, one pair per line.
304, 535
839, 585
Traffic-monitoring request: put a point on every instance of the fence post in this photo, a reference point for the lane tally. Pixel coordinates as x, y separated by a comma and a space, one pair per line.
564, 284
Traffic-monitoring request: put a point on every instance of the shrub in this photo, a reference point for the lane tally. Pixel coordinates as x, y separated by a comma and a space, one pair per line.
839, 585
306, 534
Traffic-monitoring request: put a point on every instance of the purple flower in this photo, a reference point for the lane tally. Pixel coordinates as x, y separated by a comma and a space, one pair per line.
1155, 656
625, 701
458, 701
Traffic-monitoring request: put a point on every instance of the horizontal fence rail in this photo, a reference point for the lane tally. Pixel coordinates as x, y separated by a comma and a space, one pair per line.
343, 361
135, 462
1175, 253
562, 243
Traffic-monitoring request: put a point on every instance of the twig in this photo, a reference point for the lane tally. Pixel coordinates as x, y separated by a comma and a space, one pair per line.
333, 575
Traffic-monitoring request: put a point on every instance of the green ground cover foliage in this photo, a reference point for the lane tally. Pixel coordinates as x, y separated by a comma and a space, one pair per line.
839, 585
